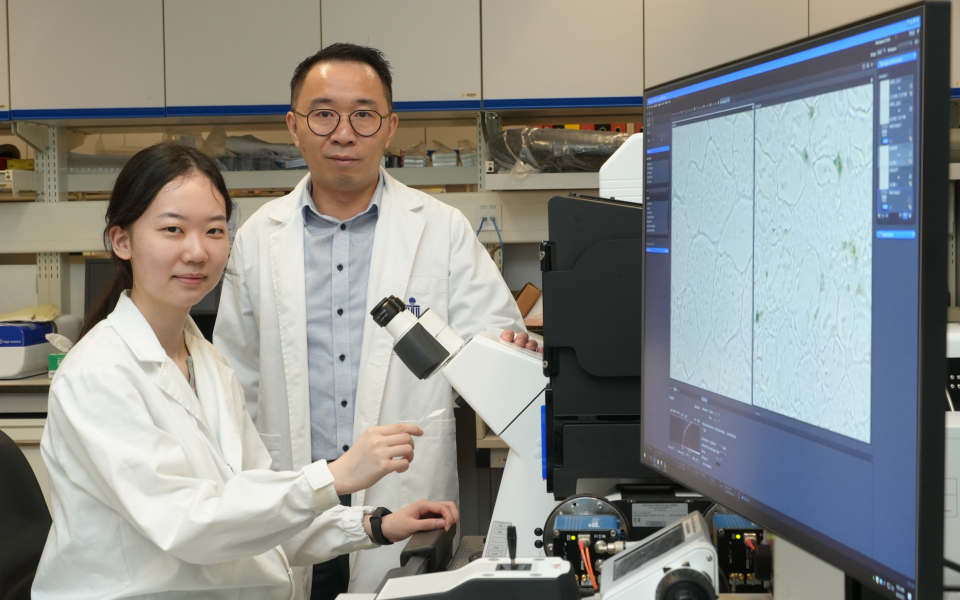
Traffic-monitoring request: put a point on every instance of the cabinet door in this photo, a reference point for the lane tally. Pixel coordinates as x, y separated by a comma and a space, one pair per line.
86, 59
827, 14
432, 45
562, 54
236, 57
683, 37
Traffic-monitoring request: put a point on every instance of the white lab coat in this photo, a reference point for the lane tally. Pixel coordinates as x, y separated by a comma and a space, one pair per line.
160, 493
423, 249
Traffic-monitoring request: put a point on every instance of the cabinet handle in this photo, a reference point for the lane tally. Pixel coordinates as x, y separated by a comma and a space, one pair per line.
28, 443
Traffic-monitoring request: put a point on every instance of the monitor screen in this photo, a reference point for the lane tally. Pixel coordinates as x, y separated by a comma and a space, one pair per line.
782, 336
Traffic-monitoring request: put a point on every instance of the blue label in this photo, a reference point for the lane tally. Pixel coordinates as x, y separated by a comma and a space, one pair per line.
24, 334
414, 308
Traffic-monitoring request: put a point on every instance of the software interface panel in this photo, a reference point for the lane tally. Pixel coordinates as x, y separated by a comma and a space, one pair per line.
782, 282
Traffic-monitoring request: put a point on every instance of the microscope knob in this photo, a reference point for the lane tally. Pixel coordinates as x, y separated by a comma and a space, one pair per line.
538, 543
538, 532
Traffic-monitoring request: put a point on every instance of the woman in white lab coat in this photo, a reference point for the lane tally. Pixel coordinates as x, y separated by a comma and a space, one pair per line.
160, 485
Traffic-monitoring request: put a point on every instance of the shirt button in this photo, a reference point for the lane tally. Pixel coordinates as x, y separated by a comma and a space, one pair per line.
339, 311
342, 357
343, 226
343, 403
339, 267
345, 447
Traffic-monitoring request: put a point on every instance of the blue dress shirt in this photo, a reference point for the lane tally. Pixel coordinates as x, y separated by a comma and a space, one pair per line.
336, 265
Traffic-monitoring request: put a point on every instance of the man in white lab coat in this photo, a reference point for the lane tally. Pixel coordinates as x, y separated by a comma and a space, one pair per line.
294, 320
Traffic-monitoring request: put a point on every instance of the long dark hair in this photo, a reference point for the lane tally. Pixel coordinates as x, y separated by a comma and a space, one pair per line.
145, 174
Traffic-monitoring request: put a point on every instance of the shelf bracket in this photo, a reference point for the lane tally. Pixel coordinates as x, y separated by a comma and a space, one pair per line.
34, 135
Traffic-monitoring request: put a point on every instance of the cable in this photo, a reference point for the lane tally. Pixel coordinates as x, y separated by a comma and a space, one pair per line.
503, 250
585, 554
482, 221
949, 399
951, 565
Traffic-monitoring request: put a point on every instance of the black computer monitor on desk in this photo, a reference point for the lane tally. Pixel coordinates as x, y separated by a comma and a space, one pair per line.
795, 293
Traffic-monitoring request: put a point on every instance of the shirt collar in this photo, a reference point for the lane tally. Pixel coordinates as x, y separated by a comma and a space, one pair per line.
307, 205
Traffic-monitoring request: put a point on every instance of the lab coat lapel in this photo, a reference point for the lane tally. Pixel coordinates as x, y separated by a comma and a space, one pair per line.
395, 244
215, 382
287, 271
136, 333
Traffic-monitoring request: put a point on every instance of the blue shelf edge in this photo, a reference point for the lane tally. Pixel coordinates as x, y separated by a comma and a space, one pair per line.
541, 103
228, 111
87, 113
436, 105
281, 109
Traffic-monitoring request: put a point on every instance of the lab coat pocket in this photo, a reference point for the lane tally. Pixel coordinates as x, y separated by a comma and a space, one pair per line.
433, 472
427, 293
272, 442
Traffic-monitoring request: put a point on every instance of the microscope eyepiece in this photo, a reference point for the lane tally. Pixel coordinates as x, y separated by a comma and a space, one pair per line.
386, 310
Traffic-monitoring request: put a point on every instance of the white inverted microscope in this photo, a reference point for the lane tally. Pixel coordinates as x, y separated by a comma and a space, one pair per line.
504, 384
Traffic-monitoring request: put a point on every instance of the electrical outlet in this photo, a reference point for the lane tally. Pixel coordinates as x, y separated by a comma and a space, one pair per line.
490, 211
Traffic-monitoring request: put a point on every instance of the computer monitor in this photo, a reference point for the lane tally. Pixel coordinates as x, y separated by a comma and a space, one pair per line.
794, 299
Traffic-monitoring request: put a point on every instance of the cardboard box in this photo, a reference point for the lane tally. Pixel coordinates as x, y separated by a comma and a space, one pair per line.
527, 298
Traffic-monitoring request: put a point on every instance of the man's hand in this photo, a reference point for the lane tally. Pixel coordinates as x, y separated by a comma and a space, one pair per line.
372, 457
422, 515
522, 339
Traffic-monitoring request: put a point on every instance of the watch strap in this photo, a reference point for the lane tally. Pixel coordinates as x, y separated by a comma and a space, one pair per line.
376, 526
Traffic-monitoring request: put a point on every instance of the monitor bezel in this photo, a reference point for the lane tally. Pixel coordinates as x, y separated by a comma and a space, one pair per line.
932, 235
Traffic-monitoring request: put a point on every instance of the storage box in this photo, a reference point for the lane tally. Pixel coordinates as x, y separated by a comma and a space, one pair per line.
53, 363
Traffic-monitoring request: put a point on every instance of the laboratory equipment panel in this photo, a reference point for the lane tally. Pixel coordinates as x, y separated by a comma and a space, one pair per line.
562, 54
235, 57
687, 36
432, 45
93, 59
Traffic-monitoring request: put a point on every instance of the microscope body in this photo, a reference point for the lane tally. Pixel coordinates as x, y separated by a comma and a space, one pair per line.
505, 385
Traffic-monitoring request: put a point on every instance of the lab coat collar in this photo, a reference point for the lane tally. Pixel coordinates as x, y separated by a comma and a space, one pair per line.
289, 206
135, 331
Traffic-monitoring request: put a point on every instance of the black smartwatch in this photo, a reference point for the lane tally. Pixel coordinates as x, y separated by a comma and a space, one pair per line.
376, 522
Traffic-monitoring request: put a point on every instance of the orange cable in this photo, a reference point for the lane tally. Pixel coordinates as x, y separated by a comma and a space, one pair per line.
584, 548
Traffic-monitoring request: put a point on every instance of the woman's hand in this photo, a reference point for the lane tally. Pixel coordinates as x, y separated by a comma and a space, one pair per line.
372, 457
422, 515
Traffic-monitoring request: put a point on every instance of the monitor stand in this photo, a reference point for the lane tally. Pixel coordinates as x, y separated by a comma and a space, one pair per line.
854, 590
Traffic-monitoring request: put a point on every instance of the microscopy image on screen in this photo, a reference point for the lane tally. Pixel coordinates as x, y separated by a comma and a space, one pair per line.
711, 248
813, 260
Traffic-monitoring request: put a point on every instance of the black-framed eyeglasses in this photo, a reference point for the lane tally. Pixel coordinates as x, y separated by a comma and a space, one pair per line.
324, 121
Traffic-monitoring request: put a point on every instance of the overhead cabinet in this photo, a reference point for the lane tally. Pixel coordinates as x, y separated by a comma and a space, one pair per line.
683, 37
432, 45
828, 14
74, 59
562, 54
236, 57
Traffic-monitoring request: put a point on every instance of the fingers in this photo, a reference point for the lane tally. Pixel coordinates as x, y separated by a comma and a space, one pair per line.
522, 339
404, 451
531, 345
447, 510
396, 428
400, 439
507, 335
